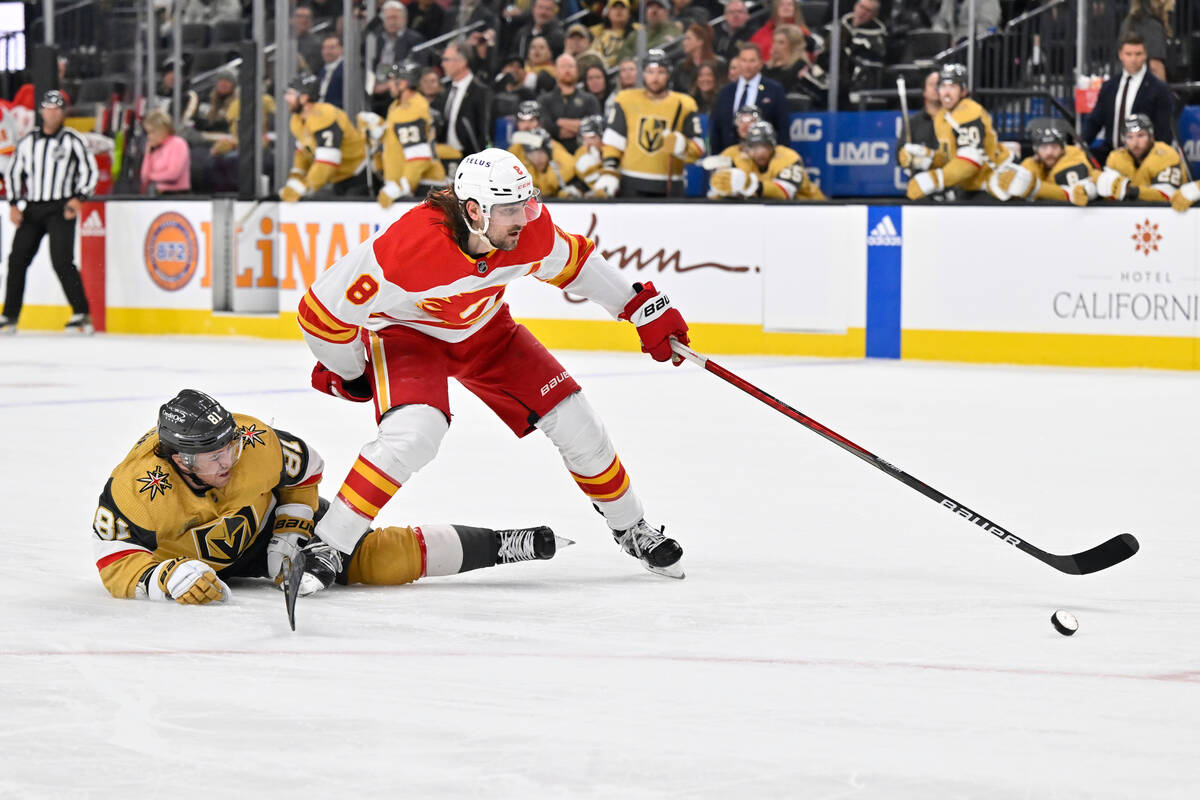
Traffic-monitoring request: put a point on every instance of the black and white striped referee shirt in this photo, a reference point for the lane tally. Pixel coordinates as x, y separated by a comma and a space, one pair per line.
46, 168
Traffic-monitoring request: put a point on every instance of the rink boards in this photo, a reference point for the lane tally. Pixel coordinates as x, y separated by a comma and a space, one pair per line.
1113, 286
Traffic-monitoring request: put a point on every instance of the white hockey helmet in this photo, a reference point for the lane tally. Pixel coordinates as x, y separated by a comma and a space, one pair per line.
495, 178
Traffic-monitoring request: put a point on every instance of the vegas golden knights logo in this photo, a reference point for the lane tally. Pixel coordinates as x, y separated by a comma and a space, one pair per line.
224, 540
650, 133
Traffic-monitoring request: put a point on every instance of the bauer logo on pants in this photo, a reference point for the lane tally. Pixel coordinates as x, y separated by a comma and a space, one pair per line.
171, 251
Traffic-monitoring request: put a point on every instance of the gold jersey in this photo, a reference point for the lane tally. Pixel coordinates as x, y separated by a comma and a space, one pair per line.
784, 177
329, 149
148, 513
639, 141
559, 173
408, 141
1157, 176
966, 133
1070, 170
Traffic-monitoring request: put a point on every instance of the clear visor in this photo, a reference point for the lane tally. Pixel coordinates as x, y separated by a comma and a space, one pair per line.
524, 211
215, 460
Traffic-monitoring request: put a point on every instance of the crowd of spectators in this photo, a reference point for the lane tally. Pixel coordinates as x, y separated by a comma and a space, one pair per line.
570, 61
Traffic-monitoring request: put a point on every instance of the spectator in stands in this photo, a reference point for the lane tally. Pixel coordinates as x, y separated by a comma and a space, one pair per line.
219, 167
751, 88
427, 18
212, 114
332, 76
863, 45
729, 35
393, 43
165, 96
660, 29
325, 10
1150, 19
484, 55
167, 164
579, 40
538, 57
308, 44
706, 87
627, 75
565, 106
595, 83
686, 14
469, 11
609, 36
431, 88
210, 10
697, 50
917, 155
788, 63
466, 110
524, 84
783, 12
543, 21
953, 17
1134, 91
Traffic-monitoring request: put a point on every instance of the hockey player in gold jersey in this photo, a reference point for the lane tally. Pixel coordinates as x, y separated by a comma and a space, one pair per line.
1142, 169
652, 132
408, 156
208, 495
764, 168
588, 159
524, 140
968, 151
746, 116
1056, 171
329, 149
546, 174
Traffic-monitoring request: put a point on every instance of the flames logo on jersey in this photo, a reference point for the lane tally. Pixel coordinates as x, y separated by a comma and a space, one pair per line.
1146, 237
224, 540
251, 435
462, 310
651, 131
156, 482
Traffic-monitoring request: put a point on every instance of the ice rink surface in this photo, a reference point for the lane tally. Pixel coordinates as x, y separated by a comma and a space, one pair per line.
838, 635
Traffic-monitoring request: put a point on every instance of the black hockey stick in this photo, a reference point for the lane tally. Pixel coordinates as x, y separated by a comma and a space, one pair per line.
293, 572
1102, 556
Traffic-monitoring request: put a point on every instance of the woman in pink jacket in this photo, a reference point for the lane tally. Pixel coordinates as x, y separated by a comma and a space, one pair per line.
167, 165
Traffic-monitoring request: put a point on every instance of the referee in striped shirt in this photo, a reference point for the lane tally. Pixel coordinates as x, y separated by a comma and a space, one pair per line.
50, 174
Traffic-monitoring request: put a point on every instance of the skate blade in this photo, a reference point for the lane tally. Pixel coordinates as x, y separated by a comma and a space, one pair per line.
561, 541
674, 571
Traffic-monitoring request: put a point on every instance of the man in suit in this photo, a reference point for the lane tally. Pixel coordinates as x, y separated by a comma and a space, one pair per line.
332, 77
751, 88
394, 42
542, 21
1134, 91
466, 121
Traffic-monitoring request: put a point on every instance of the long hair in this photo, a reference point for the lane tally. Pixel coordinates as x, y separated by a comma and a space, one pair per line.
798, 19
796, 47
705, 34
1153, 9
453, 214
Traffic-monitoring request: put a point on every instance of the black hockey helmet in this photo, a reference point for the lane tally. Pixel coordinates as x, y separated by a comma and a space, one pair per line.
529, 109
544, 141
953, 73
748, 109
761, 132
1139, 122
592, 124
1047, 134
191, 422
305, 83
657, 57
409, 71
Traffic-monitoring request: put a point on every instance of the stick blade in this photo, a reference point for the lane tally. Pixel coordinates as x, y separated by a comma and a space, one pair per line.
1102, 556
293, 573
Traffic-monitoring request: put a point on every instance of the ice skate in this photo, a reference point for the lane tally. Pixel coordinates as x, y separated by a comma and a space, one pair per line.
529, 544
7, 326
322, 564
80, 323
658, 553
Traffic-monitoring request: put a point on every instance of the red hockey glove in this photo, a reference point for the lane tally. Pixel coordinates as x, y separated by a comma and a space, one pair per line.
657, 322
327, 381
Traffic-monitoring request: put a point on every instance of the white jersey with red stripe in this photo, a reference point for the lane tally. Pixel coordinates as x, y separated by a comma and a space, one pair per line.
414, 274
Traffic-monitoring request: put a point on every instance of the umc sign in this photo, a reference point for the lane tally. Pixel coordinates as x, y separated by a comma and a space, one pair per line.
850, 151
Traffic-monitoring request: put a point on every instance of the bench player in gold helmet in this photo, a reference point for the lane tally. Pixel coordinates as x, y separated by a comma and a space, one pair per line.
1142, 168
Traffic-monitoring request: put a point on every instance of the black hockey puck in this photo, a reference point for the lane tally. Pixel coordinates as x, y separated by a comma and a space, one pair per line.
1064, 622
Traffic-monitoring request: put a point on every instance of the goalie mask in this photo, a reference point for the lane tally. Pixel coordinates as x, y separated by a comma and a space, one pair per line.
500, 184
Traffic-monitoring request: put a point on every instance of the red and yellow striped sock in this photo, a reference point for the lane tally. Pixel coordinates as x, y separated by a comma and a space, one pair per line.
607, 485
367, 489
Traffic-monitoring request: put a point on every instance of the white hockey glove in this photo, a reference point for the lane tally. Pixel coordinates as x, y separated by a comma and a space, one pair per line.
526, 138
587, 162
915, 157
293, 190
1009, 181
372, 125
186, 581
677, 143
1113, 184
392, 191
607, 185
570, 191
732, 182
711, 163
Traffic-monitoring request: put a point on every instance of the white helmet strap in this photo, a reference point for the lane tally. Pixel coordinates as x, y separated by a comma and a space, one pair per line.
487, 219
